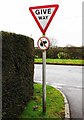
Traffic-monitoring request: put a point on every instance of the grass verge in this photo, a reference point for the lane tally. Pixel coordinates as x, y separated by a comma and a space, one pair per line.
54, 104
61, 61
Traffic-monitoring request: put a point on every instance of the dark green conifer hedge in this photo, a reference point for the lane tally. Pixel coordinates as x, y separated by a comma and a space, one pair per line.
17, 73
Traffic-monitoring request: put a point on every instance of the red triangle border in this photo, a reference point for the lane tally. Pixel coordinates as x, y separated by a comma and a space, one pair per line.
45, 6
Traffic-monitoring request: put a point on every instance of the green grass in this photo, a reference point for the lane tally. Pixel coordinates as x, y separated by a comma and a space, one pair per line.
54, 104
61, 61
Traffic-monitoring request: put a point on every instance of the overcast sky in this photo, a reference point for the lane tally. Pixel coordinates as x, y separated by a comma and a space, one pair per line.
66, 26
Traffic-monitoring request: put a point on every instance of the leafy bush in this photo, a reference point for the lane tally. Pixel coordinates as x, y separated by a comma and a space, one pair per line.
63, 55
62, 52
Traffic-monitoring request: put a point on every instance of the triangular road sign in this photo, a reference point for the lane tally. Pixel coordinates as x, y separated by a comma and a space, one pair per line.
43, 15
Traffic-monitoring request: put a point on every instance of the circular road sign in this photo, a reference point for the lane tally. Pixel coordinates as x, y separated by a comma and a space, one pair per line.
43, 43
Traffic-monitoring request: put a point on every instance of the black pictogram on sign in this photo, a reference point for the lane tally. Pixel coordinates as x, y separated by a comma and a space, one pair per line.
43, 43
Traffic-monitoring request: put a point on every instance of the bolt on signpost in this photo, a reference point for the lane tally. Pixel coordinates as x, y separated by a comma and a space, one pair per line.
43, 16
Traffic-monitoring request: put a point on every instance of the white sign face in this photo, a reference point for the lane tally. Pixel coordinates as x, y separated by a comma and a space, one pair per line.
43, 43
43, 15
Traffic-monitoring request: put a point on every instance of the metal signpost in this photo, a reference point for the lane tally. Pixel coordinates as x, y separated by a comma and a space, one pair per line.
43, 44
44, 82
43, 16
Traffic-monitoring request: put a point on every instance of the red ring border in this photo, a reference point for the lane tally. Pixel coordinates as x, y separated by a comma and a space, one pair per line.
48, 43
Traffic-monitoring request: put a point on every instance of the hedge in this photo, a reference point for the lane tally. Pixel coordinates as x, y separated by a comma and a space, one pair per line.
62, 52
17, 73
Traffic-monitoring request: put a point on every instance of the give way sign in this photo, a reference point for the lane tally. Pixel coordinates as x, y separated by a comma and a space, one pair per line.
43, 15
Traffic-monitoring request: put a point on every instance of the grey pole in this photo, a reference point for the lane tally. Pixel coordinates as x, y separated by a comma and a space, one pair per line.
44, 81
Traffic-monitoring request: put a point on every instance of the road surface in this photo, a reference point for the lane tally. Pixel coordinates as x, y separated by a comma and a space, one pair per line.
68, 79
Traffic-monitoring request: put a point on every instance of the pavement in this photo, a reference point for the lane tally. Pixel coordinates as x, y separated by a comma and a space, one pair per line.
68, 79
